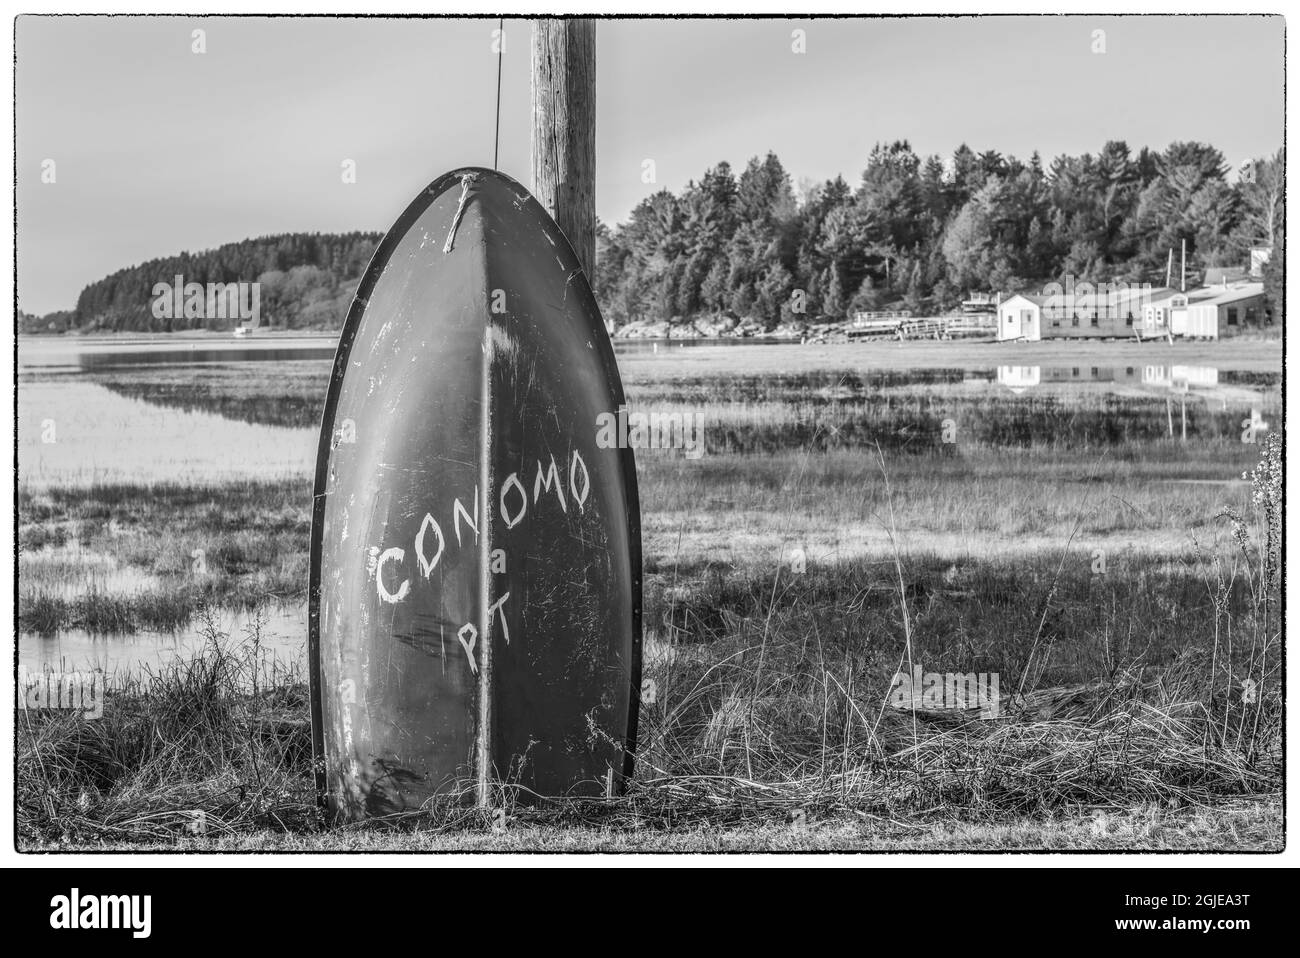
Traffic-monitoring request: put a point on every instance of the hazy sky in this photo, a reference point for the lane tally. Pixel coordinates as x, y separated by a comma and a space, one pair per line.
158, 149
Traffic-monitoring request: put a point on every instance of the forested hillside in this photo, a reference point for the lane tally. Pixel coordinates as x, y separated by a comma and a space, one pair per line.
918, 233
307, 281
913, 233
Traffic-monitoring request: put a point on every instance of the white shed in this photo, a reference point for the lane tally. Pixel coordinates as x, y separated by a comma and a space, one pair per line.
1021, 317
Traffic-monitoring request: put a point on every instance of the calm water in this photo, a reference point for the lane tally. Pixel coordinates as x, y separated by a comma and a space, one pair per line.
91, 354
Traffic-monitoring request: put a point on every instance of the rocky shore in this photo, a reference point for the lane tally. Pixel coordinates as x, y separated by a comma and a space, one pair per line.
728, 327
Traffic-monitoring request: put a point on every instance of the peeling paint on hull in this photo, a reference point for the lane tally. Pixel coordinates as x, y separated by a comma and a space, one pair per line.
469, 535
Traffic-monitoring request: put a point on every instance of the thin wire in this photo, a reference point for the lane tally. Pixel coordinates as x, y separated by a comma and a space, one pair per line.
501, 48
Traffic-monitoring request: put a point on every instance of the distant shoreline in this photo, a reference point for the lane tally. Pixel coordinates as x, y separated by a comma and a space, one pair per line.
761, 356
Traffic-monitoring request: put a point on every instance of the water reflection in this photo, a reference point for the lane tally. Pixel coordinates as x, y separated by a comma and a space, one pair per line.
1177, 377
282, 645
1176, 383
1181, 378
1020, 378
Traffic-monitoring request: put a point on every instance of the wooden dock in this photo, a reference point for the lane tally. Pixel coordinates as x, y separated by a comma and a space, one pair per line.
905, 328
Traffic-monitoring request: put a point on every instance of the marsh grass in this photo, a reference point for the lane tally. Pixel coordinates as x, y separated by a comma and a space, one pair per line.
169, 549
215, 743
730, 742
122, 557
101, 613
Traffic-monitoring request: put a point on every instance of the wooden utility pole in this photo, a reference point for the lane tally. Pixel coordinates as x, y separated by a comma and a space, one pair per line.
564, 129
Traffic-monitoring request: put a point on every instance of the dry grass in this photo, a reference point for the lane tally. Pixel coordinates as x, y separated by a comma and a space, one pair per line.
762, 745
215, 743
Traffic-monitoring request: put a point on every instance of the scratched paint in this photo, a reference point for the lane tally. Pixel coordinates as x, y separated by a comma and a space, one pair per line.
472, 505
395, 568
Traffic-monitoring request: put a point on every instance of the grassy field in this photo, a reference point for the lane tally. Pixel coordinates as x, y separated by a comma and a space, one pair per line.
1117, 578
